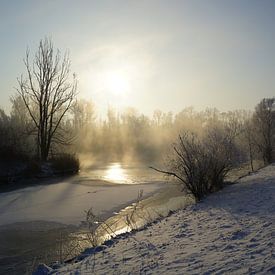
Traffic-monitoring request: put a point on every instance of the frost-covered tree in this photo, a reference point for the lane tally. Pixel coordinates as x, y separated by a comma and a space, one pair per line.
264, 123
48, 94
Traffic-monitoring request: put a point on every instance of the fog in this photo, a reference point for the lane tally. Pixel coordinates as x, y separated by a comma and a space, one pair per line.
127, 136
130, 136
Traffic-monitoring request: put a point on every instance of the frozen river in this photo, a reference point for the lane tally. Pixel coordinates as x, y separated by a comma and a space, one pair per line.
33, 219
65, 200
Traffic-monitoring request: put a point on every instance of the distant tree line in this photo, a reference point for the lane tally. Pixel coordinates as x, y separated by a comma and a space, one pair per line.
135, 136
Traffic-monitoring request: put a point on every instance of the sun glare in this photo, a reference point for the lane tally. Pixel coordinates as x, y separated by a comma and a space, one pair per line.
115, 173
117, 83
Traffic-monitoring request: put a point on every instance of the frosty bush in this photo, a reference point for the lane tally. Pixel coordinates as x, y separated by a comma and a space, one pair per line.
202, 162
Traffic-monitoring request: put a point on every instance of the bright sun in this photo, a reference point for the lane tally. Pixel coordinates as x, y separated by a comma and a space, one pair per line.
117, 83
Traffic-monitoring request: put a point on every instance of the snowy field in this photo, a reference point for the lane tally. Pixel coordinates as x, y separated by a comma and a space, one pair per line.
230, 232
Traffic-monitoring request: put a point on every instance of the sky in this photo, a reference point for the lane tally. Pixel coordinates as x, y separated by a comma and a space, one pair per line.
149, 54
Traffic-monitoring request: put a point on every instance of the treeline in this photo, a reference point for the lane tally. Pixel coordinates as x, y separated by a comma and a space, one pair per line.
133, 136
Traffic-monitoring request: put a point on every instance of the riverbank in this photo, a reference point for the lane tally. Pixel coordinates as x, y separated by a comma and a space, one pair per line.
231, 231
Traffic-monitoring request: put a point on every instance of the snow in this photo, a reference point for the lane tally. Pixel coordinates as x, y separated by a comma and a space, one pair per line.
229, 232
67, 200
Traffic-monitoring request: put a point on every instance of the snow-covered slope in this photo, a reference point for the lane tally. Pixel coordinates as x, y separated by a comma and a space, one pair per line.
230, 232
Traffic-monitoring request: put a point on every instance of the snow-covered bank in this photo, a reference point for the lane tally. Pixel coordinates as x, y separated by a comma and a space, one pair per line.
231, 231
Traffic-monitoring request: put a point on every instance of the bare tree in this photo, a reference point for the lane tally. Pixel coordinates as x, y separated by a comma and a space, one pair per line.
47, 93
264, 122
249, 139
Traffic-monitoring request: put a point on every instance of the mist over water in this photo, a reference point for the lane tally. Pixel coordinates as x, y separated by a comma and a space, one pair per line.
121, 173
131, 137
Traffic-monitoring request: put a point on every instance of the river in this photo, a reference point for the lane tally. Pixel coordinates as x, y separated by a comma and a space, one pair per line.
37, 222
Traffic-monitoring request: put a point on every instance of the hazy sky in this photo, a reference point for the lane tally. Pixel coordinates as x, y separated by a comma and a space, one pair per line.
149, 54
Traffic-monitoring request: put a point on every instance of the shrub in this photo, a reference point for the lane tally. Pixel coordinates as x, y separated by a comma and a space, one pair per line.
202, 164
65, 163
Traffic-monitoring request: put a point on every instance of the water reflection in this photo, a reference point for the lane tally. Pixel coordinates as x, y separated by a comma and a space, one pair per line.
121, 173
116, 173
139, 214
